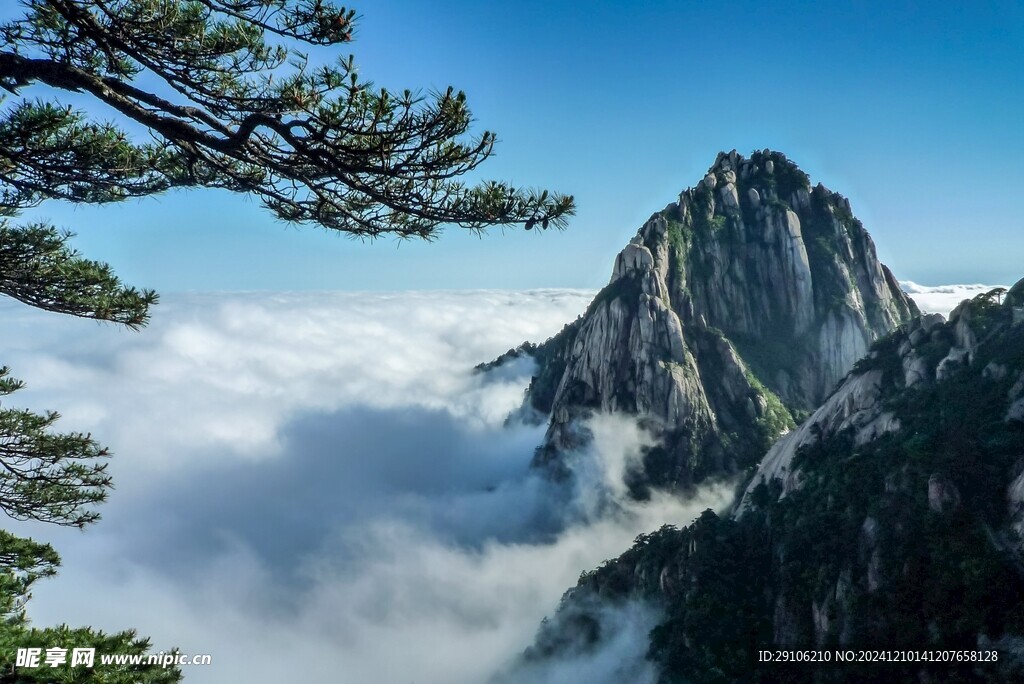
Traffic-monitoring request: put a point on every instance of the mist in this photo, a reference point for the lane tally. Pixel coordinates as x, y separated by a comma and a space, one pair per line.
318, 486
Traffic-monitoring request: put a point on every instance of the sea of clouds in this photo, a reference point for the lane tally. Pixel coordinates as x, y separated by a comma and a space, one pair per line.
941, 298
318, 487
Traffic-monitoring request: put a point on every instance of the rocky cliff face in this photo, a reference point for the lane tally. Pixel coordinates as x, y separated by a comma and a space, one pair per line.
893, 516
753, 287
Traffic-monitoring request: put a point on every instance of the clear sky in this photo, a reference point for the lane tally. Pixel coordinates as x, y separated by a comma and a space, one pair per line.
912, 110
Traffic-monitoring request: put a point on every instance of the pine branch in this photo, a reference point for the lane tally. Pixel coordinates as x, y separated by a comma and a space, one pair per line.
240, 111
39, 268
48, 476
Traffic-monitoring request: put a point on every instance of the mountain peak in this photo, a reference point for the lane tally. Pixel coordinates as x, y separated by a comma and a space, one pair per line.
729, 311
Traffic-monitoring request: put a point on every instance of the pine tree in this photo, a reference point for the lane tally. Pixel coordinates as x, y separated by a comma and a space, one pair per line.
56, 477
227, 99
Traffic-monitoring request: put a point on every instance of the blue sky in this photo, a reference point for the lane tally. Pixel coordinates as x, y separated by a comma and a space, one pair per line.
912, 110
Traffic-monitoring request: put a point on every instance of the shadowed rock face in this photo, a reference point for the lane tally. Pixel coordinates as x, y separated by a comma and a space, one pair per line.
753, 287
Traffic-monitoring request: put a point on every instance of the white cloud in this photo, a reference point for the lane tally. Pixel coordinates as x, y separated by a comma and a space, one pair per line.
315, 486
942, 298
229, 371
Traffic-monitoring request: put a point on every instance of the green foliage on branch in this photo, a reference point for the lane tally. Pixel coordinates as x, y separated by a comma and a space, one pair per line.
38, 268
230, 99
47, 476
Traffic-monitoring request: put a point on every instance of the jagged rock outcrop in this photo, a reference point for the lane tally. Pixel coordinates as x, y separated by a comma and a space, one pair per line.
752, 287
893, 516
